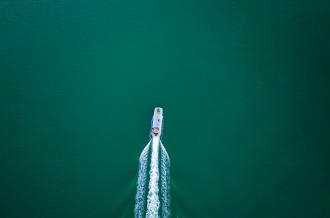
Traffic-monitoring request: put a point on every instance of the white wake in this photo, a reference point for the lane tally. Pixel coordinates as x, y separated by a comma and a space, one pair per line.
165, 182
157, 202
153, 199
141, 183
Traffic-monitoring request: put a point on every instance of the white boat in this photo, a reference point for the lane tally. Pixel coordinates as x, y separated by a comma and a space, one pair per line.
157, 122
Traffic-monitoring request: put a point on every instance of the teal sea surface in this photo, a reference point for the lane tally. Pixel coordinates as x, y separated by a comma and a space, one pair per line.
245, 87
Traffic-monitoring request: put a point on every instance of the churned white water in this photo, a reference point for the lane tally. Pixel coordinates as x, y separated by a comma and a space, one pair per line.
141, 183
165, 182
153, 200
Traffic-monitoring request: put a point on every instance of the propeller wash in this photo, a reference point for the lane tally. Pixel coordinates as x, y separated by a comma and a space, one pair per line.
153, 195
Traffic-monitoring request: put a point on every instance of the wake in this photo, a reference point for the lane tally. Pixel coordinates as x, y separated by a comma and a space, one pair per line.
165, 182
141, 183
153, 195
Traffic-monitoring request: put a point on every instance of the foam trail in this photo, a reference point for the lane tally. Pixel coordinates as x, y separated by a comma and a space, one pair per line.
141, 183
165, 182
153, 198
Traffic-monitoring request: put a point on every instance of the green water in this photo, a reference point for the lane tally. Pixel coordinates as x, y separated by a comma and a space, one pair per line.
245, 88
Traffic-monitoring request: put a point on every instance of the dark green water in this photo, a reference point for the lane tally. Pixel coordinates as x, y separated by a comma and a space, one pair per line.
245, 86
